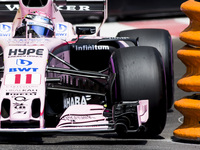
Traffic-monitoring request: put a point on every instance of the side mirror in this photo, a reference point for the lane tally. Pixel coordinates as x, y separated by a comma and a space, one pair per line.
80, 30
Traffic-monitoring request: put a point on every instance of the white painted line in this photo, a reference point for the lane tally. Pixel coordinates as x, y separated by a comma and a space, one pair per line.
180, 119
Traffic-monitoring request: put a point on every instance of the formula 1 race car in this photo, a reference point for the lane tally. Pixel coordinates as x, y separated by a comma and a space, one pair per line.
55, 79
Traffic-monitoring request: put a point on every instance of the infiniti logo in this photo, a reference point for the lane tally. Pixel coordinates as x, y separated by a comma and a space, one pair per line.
22, 62
4, 28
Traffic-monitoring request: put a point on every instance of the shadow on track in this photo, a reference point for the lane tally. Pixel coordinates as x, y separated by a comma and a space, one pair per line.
184, 141
78, 139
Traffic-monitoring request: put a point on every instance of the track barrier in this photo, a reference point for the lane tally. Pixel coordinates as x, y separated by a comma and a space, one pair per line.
190, 82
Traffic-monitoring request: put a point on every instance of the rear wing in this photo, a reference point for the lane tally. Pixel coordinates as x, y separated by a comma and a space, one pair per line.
9, 5
71, 6
76, 7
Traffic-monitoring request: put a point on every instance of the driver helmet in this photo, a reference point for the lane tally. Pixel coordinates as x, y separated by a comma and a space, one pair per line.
39, 24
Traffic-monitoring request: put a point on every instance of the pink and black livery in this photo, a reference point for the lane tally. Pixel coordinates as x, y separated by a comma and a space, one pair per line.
58, 79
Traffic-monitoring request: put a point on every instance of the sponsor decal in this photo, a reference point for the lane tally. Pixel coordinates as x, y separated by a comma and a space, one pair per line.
5, 30
118, 38
22, 62
74, 7
29, 41
76, 100
21, 89
12, 79
23, 69
20, 93
91, 47
20, 98
15, 7
61, 30
73, 118
61, 34
12, 7
25, 52
19, 105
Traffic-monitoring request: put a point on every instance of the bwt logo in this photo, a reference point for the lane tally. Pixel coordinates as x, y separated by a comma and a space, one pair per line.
61, 28
22, 62
22, 52
23, 69
5, 28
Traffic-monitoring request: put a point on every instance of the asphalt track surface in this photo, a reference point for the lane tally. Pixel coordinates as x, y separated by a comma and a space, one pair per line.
110, 141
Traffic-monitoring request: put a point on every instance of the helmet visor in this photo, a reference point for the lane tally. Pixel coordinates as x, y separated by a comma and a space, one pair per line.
41, 31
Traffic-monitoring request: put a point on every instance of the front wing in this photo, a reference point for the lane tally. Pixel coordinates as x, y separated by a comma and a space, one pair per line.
86, 118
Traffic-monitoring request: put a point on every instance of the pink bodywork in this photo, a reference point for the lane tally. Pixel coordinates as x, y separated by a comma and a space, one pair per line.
18, 78
24, 82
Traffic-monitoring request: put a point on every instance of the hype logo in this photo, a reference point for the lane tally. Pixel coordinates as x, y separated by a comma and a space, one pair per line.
22, 62
61, 28
4, 28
